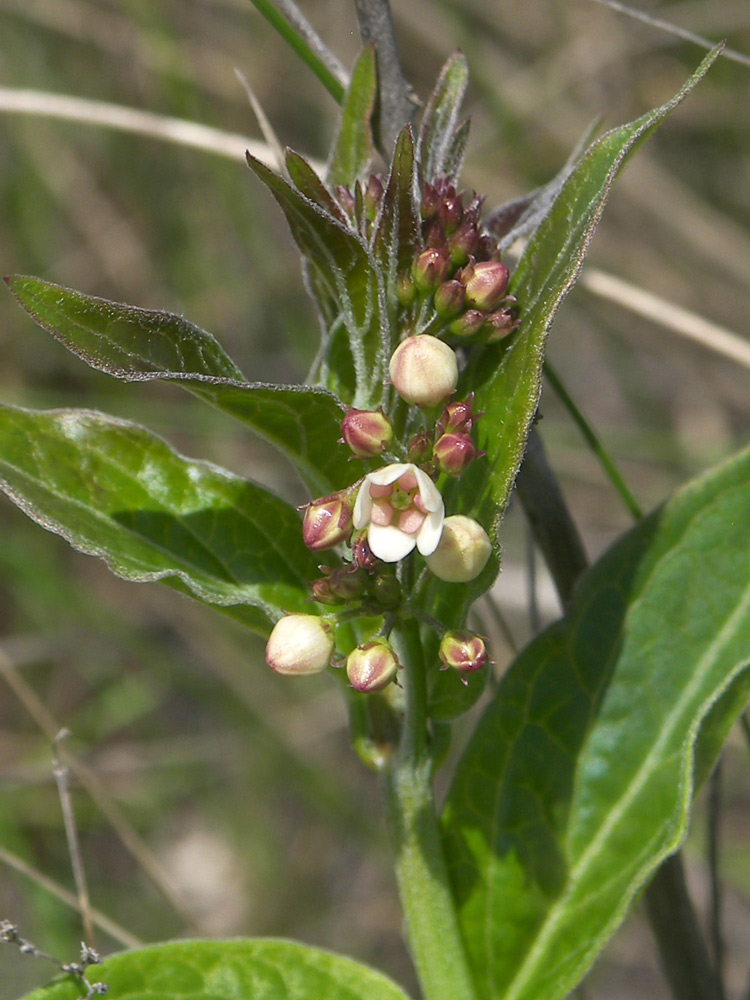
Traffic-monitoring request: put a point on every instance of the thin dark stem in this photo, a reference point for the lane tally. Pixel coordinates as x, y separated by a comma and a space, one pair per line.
548, 515
714, 818
682, 949
62, 777
395, 106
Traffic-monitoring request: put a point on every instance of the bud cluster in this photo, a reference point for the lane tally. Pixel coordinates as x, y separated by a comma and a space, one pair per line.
459, 271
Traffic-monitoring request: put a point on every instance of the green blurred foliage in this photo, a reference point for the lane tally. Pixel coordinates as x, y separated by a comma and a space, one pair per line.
240, 782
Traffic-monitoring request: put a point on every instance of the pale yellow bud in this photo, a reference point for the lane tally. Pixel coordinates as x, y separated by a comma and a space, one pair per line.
462, 552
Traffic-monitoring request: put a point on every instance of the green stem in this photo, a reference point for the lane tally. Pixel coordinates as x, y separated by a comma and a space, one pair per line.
431, 923
592, 439
301, 47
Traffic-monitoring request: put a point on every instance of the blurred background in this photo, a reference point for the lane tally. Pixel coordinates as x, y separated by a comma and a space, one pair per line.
235, 789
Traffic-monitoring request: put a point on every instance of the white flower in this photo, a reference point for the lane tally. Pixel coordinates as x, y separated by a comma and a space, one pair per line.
401, 508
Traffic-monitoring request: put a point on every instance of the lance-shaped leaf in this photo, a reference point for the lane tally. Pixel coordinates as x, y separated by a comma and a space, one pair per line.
117, 491
578, 779
230, 970
507, 377
135, 344
442, 137
352, 149
344, 273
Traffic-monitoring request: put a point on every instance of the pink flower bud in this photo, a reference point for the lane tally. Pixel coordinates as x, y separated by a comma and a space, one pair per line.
345, 198
463, 242
299, 645
323, 594
362, 555
420, 448
328, 521
457, 417
462, 552
367, 432
430, 269
486, 284
453, 453
450, 298
371, 667
424, 370
463, 651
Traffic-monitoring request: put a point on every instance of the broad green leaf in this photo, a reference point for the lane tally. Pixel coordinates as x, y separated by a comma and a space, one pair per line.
352, 150
442, 137
260, 969
507, 376
115, 490
347, 283
579, 777
134, 344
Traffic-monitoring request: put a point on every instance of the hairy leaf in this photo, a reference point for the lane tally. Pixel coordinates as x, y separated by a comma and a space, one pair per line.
352, 149
442, 137
117, 491
578, 779
136, 344
507, 377
346, 282
230, 970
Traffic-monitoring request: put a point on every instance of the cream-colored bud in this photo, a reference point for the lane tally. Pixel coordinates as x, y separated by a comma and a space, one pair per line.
300, 645
462, 552
424, 370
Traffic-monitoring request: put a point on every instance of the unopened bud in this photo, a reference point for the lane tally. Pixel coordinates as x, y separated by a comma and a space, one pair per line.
486, 283
406, 290
372, 666
362, 554
420, 448
468, 323
323, 594
345, 198
450, 299
430, 269
424, 370
462, 552
367, 432
463, 243
463, 651
348, 582
386, 590
457, 417
299, 645
373, 194
328, 521
500, 323
453, 453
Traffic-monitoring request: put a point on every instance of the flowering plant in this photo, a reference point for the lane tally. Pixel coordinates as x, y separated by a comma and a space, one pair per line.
415, 425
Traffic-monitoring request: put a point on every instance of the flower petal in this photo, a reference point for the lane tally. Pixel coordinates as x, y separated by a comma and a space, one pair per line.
389, 473
390, 544
362, 507
429, 534
428, 491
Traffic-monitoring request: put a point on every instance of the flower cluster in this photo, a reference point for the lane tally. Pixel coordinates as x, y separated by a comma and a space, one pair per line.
455, 290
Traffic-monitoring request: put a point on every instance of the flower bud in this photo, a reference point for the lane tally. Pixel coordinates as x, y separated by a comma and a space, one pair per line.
386, 590
450, 298
462, 552
430, 269
323, 594
424, 370
453, 453
500, 323
457, 417
463, 242
372, 666
420, 448
486, 283
328, 521
348, 582
451, 210
406, 291
367, 432
373, 194
345, 198
468, 323
362, 555
463, 651
299, 645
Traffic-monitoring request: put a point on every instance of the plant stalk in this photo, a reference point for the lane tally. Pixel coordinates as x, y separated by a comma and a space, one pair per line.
431, 924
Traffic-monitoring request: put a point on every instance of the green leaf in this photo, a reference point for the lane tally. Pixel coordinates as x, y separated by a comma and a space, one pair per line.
442, 138
260, 969
507, 377
346, 282
115, 490
352, 150
578, 780
134, 344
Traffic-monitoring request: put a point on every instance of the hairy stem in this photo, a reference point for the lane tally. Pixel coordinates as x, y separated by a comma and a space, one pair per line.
431, 925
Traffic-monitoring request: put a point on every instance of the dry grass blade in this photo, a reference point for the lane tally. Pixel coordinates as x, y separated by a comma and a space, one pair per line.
672, 317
